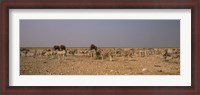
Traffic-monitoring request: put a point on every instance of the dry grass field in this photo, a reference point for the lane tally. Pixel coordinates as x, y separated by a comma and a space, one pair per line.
78, 61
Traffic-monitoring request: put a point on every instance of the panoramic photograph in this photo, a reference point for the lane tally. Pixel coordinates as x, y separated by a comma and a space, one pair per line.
99, 47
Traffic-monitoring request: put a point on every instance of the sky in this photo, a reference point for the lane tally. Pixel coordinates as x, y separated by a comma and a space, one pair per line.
102, 33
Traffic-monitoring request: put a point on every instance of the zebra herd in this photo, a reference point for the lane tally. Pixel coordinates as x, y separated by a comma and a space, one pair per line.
95, 53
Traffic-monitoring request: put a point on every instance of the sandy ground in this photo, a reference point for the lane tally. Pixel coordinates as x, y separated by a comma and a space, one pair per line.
84, 65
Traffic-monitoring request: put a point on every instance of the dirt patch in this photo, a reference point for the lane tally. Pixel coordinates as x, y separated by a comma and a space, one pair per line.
84, 65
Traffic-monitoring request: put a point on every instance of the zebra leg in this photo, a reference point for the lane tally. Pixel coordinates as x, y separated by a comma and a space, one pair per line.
102, 57
110, 58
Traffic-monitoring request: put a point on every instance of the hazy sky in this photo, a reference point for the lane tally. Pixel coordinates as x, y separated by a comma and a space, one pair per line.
103, 33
